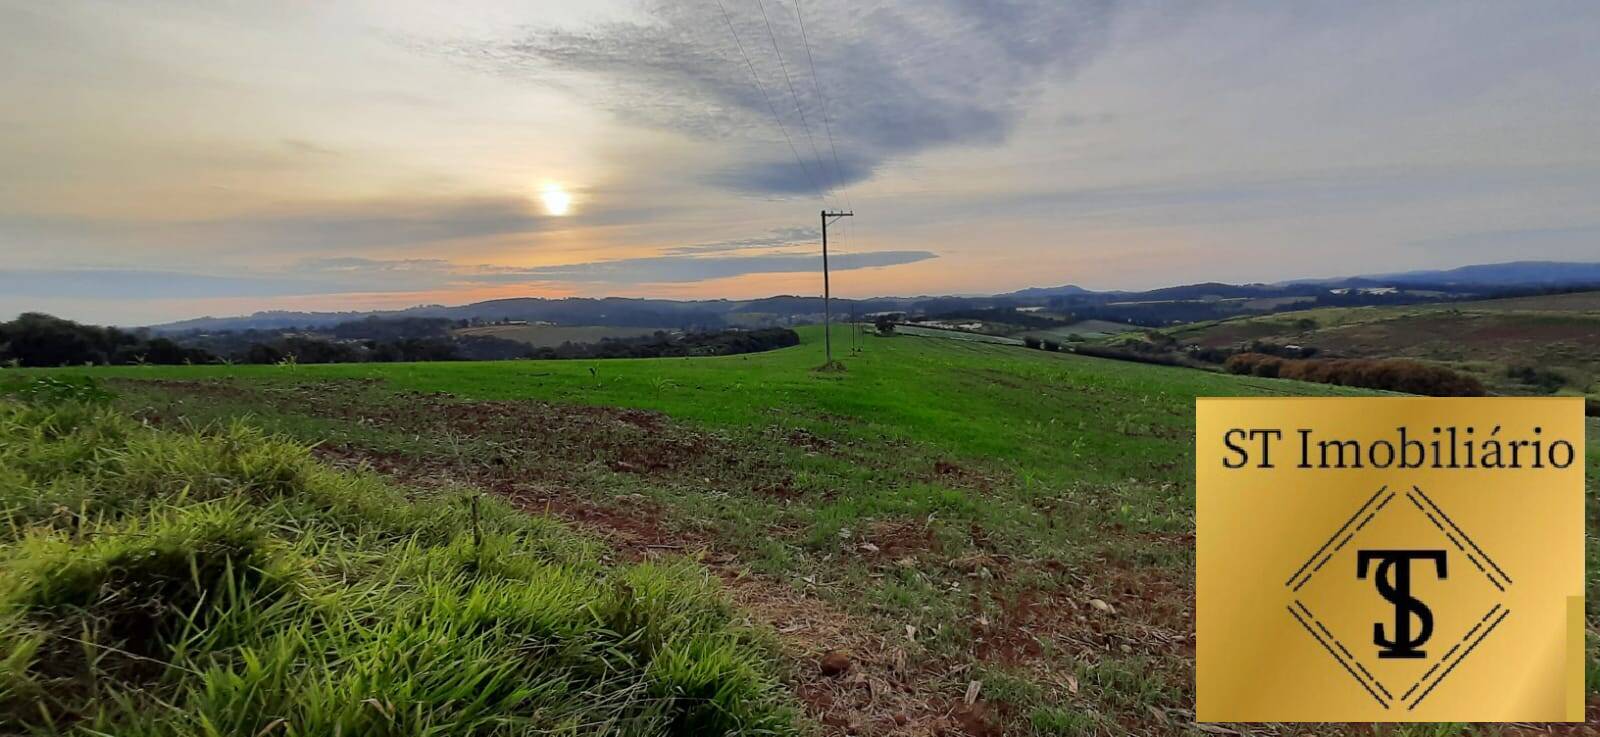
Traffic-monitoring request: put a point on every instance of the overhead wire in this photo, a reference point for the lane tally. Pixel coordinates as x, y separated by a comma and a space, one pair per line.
827, 124
770, 105
790, 81
846, 228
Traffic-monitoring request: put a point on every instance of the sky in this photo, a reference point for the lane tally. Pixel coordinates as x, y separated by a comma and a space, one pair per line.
168, 159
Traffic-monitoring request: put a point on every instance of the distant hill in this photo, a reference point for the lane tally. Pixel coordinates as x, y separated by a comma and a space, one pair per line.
1515, 273
1150, 307
603, 311
1502, 275
1040, 292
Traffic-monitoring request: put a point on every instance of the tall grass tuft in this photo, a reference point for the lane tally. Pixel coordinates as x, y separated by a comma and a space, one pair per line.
221, 581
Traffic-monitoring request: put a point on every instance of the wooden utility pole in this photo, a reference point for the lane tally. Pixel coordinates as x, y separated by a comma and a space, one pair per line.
827, 294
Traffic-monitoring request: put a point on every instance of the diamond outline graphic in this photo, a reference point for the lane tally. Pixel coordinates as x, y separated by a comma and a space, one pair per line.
1342, 654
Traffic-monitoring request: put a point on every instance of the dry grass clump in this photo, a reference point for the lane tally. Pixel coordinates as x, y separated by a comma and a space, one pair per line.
220, 581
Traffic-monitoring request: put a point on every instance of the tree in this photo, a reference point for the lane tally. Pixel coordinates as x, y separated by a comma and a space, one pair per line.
36, 339
884, 324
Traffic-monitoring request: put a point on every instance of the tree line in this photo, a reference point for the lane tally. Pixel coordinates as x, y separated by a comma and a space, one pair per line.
666, 345
1393, 374
39, 340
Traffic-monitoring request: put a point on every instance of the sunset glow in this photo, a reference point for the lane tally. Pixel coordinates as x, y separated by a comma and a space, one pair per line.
557, 201
632, 149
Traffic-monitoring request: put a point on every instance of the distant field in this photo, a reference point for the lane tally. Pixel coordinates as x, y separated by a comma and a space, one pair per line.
953, 334
1574, 302
550, 336
1085, 329
945, 511
1555, 333
1010, 334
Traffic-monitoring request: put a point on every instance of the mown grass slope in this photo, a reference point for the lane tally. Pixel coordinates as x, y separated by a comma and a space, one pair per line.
945, 512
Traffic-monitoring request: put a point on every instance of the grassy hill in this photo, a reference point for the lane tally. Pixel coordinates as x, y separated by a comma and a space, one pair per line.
942, 514
1521, 345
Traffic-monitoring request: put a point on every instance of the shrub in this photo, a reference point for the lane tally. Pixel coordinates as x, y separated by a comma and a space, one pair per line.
1032, 342
1101, 351
1210, 354
1543, 380
1280, 350
1401, 375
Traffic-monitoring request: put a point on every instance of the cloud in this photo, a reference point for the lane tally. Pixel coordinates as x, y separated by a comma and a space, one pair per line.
385, 223
776, 238
349, 274
138, 284
896, 79
679, 269
307, 148
1576, 242
375, 224
678, 266
358, 265
788, 177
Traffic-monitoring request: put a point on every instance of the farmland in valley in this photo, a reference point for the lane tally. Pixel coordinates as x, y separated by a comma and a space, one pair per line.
1539, 344
550, 336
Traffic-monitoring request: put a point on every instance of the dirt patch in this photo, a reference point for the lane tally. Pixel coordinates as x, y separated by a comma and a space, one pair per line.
1118, 620
891, 687
896, 541
800, 437
212, 389
1103, 610
950, 473
527, 439
632, 525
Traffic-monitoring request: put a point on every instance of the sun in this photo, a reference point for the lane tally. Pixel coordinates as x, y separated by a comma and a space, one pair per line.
557, 201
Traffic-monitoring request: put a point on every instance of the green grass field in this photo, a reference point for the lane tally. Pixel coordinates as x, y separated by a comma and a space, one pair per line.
945, 512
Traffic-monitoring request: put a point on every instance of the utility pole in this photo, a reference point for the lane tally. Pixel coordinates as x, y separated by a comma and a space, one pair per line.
827, 295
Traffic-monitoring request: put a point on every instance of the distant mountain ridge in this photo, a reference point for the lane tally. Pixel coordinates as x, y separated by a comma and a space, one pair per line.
1512, 273
1035, 292
790, 309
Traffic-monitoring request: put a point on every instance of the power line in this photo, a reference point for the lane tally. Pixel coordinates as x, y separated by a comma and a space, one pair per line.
786, 78
770, 106
838, 171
